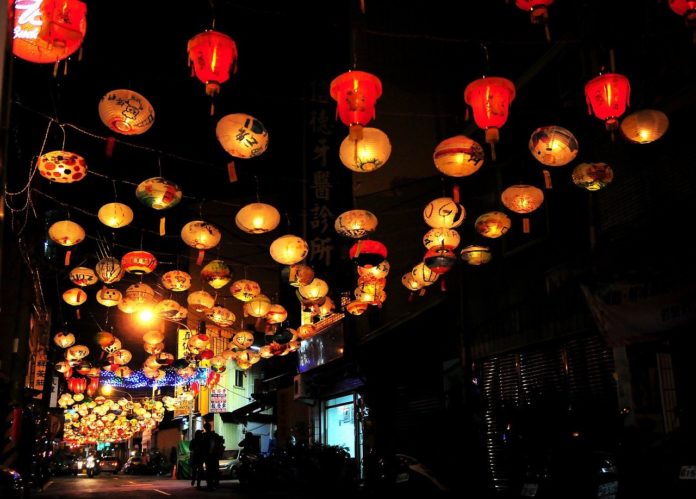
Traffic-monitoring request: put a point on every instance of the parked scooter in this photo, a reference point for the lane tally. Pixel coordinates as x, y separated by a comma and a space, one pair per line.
90, 465
401, 473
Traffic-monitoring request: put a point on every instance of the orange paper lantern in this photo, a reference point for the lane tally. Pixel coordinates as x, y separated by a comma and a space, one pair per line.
490, 100
607, 97
139, 262
522, 199
211, 56
356, 93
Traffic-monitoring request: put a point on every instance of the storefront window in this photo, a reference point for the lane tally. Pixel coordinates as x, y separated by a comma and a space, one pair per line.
340, 423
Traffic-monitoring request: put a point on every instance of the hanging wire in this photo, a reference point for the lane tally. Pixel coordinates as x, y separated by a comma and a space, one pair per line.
258, 197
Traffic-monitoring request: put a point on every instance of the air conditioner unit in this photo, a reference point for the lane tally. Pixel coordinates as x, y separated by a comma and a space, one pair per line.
300, 389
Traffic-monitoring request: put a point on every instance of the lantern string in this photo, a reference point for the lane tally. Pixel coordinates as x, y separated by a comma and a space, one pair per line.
256, 179
113, 182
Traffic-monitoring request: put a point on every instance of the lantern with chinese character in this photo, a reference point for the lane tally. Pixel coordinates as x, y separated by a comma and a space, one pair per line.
257, 218
77, 352
368, 253
522, 199
423, 275
126, 112
216, 273
356, 93
444, 213
607, 97
200, 301
121, 357
315, 290
62, 166
367, 153
553, 145
356, 223
592, 176
289, 249
440, 260
201, 236
490, 99
297, 274
379, 271
82, 276
242, 340
66, 233
245, 289
158, 193
276, 314
48, 31
643, 127
115, 215
211, 56
169, 309
140, 294
441, 238
458, 156
74, 297
476, 255
64, 339
241, 135
221, 316
109, 270
258, 306
493, 224
176, 280
139, 262
539, 12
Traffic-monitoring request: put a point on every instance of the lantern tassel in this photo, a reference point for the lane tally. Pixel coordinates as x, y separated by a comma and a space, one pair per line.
421, 292
410, 297
547, 32
232, 172
547, 179
525, 225
212, 108
65, 68
162, 229
55, 69
201, 254
110, 143
77, 313
455, 194
443, 286
66, 262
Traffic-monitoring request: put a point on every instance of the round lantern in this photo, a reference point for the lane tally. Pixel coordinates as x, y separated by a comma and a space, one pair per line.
77, 384
439, 260
538, 10
63, 366
77, 352
458, 156
257, 218
297, 274
476, 255
242, 340
211, 56
356, 223
62, 166
366, 154
140, 293
176, 280
306, 331
216, 273
372, 294
104, 339
592, 176
201, 236
424, 275
153, 349
121, 357
82, 276
139, 262
356, 93
46, 31
356, 307
158, 193
221, 316
490, 99
114, 347
245, 289
379, 271
153, 337
169, 309
74, 297
109, 270
115, 215
522, 199
218, 364
553, 145
123, 372
109, 297
368, 253
643, 127
258, 306
289, 249
64, 340
444, 213
241, 135
607, 97
493, 224
276, 314
441, 238
126, 112
66, 233
200, 301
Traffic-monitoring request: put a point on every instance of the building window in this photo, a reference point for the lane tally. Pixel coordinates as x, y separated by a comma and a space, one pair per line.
239, 378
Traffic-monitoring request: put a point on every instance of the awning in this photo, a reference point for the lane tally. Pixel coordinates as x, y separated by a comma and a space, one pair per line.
248, 413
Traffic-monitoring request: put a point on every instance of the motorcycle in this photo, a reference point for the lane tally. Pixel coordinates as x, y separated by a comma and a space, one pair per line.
90, 465
401, 473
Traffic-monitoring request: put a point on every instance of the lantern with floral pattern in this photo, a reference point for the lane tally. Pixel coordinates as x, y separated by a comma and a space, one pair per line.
522, 199
216, 273
176, 280
356, 223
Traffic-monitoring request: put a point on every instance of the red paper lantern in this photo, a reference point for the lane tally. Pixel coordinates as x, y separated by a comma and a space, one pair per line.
368, 253
139, 262
356, 93
490, 99
439, 260
538, 10
48, 30
211, 56
607, 97
686, 9
77, 384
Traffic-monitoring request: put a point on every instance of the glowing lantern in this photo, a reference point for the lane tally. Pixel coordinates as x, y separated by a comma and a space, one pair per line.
686, 9
592, 176
77, 385
368, 253
221, 316
201, 236
365, 154
217, 364
439, 260
66, 233
78, 352
139, 262
126, 112
306, 331
140, 295
355, 308
82, 276
64, 340
379, 271
643, 127
115, 215
553, 145
242, 340
356, 93
424, 275
164, 359
265, 352
257, 218
63, 366
258, 306
62, 166
211, 56
297, 274
444, 213
539, 12
169, 309
245, 289
216, 273
372, 293
276, 314
441, 238
109, 270
74, 297
123, 372
200, 301
158, 193
105, 338
121, 357
153, 349
493, 224
109, 297
114, 347
607, 97
356, 223
48, 30
289, 249
153, 337
522, 199
490, 99
476, 255
241, 135
176, 280
327, 308
458, 156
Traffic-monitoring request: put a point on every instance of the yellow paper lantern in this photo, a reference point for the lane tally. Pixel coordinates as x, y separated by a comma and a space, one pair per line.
115, 215
458, 156
265, 352
74, 297
200, 301
444, 213
109, 297
176, 280
327, 308
114, 347
105, 338
109, 270
522, 198
126, 112
242, 340
315, 290
644, 127
276, 314
356, 223
357, 307
553, 145
216, 273
77, 352
592, 176
257, 218
64, 339
306, 331
200, 235
476, 255
221, 316
169, 309
376, 272
493, 224
66, 233
441, 238
153, 348
245, 289
158, 193
242, 135
258, 306
423, 275
141, 293
82, 276
297, 274
365, 154
153, 337
120, 357
289, 249
62, 166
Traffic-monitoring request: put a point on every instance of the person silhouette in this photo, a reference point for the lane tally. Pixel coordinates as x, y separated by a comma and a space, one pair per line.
196, 448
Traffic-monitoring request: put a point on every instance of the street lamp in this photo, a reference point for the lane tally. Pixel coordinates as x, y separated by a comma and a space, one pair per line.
108, 390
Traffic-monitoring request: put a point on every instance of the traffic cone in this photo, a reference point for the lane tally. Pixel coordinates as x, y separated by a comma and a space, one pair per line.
174, 472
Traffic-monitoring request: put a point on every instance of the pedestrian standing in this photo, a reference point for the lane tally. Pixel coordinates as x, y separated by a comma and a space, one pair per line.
197, 452
214, 447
